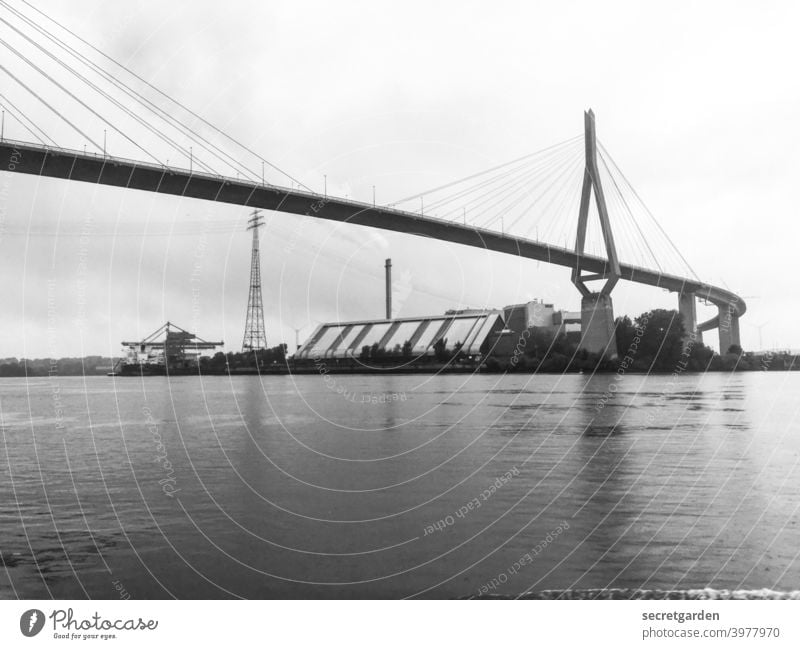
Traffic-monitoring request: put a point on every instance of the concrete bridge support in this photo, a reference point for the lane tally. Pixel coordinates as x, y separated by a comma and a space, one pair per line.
728, 328
597, 312
597, 325
687, 307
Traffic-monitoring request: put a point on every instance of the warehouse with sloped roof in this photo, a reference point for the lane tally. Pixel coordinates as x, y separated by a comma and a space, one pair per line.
469, 333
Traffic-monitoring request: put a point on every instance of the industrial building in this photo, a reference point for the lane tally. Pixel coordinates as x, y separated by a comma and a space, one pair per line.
469, 334
463, 338
539, 315
459, 339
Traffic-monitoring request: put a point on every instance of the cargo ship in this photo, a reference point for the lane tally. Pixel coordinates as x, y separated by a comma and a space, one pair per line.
168, 351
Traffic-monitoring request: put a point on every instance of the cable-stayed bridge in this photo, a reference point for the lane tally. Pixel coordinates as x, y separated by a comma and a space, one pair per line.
568, 205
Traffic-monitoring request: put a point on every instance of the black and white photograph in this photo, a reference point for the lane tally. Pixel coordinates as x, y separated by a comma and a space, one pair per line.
309, 307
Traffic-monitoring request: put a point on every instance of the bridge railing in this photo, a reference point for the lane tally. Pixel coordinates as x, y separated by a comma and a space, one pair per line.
105, 157
317, 196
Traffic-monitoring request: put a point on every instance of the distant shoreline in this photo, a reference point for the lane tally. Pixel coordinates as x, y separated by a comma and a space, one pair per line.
308, 371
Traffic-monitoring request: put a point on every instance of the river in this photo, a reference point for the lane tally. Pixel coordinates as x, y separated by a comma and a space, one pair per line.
397, 486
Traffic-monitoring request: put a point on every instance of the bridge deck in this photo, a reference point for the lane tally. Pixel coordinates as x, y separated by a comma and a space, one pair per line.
52, 162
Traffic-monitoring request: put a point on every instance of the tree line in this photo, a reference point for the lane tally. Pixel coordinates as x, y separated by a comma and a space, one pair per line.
655, 341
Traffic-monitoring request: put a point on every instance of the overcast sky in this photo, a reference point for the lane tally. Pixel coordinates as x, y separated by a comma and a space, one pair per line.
698, 103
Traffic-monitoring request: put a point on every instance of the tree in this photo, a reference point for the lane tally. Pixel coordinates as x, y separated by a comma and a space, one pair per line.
562, 346
272, 355
521, 364
540, 343
440, 349
555, 362
625, 332
662, 336
216, 364
700, 357
492, 364
726, 363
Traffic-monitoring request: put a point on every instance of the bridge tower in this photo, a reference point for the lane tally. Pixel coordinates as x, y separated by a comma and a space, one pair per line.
254, 334
597, 312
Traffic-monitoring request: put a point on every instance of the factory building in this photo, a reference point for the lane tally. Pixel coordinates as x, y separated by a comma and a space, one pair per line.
466, 333
465, 337
536, 314
462, 338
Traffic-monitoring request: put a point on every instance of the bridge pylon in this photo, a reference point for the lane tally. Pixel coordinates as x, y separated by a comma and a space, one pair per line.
597, 312
687, 308
728, 328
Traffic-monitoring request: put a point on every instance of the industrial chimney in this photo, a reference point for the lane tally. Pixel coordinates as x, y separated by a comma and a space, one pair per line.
388, 289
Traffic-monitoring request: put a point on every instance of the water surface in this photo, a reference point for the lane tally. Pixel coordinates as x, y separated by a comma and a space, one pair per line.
397, 486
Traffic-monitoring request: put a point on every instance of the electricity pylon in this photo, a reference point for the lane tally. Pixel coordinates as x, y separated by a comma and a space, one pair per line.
254, 334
